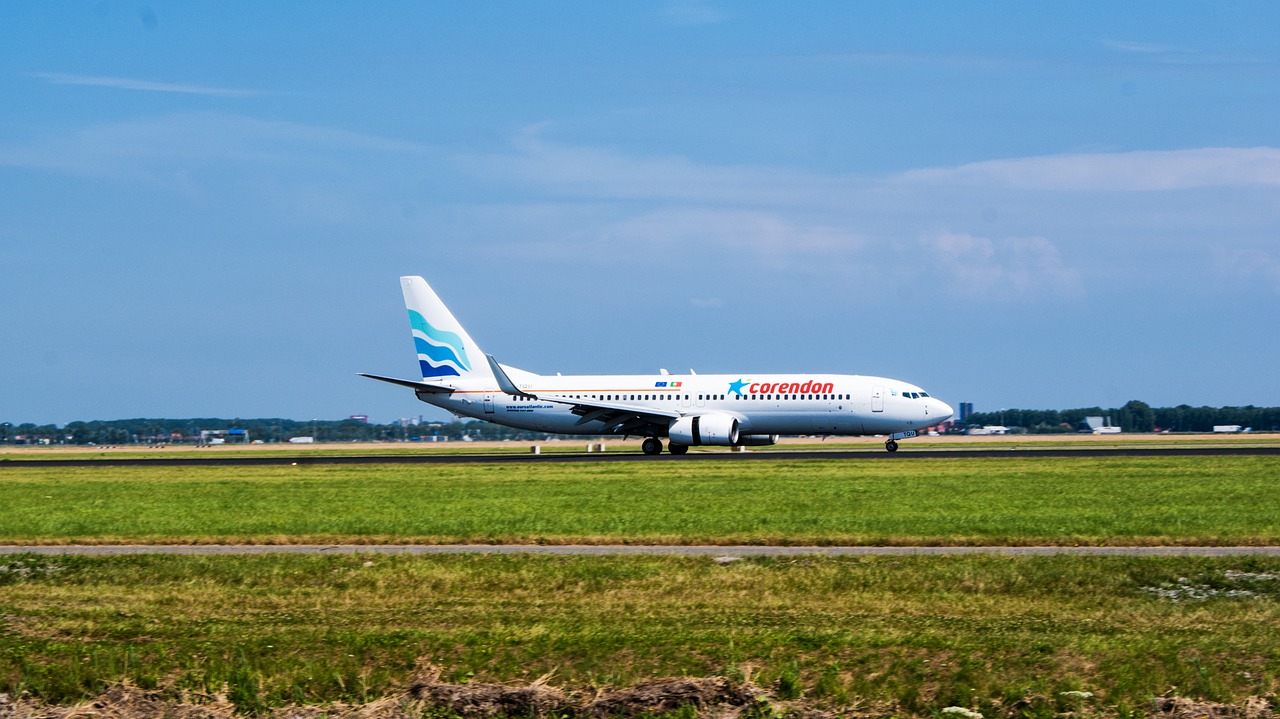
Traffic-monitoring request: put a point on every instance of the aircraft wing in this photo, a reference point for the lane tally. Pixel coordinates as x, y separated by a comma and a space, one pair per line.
618, 417
411, 384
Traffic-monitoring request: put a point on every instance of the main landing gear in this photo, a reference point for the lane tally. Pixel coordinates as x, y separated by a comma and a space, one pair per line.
653, 445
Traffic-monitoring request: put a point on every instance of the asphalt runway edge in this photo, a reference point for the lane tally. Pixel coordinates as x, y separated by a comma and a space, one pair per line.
840, 454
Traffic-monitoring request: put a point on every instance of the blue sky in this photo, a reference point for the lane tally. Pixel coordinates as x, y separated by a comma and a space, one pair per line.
204, 207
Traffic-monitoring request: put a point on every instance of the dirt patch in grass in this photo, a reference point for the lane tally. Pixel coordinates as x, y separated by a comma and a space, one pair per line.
704, 698
1182, 708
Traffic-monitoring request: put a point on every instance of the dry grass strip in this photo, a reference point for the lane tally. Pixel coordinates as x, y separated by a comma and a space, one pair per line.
709, 697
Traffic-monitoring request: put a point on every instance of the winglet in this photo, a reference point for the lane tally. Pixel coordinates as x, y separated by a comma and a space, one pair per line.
504, 382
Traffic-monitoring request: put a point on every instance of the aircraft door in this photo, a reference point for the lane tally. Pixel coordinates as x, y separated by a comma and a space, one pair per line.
877, 398
488, 403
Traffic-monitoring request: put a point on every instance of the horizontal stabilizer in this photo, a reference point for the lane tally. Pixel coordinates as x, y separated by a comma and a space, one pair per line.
411, 384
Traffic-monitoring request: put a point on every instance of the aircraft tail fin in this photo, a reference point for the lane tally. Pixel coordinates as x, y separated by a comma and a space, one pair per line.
444, 347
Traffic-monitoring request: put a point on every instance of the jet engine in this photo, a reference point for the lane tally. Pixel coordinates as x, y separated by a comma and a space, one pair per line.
756, 440
718, 429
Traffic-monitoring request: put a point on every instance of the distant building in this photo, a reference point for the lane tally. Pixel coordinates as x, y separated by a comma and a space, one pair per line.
966, 409
222, 436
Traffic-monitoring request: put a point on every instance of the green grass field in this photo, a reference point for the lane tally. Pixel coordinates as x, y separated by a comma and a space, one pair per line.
884, 636
1021, 501
909, 635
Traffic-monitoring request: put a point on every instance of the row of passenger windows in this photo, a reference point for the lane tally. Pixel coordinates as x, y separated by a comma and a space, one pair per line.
702, 398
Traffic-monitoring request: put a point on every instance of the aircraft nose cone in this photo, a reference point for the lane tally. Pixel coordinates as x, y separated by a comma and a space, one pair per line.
941, 411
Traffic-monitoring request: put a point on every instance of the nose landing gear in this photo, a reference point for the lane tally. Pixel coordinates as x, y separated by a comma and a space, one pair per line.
891, 444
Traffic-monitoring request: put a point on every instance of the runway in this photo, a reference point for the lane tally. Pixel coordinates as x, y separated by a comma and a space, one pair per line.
868, 454
627, 550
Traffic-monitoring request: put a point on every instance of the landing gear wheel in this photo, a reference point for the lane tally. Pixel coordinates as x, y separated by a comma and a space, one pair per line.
652, 445
678, 448
891, 446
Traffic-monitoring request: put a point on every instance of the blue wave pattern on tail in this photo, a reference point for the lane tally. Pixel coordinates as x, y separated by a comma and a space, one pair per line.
440, 352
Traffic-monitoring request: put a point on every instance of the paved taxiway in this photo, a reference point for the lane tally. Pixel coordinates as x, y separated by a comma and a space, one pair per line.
613, 550
841, 454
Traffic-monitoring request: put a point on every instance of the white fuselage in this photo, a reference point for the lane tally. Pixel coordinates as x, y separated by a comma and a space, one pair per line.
689, 410
762, 404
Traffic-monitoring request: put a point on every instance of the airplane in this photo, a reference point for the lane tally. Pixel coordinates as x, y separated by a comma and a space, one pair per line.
692, 410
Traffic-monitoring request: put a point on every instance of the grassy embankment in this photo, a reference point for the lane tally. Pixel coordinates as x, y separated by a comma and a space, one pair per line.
902, 635
1021, 501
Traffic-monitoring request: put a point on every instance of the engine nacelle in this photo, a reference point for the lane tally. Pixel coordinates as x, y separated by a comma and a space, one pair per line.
717, 429
756, 440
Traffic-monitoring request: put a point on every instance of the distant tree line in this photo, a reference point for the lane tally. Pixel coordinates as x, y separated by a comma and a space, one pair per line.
187, 431
1134, 416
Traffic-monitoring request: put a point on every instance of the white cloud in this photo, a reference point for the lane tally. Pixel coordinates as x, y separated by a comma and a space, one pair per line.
600, 173
1116, 172
725, 238
160, 148
840, 225
1017, 268
1248, 264
123, 83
